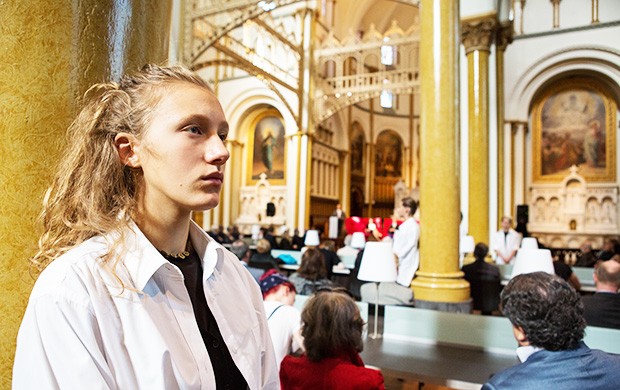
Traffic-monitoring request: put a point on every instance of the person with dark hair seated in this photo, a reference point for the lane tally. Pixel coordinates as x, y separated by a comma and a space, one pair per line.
332, 331
547, 319
312, 274
484, 279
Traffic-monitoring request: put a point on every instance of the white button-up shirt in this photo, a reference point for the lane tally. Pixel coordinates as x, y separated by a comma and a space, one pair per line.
82, 330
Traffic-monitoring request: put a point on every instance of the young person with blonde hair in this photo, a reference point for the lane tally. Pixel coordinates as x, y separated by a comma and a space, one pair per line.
132, 293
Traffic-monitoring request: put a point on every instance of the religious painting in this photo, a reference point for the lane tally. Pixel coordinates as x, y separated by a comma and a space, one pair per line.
573, 125
357, 149
267, 147
388, 154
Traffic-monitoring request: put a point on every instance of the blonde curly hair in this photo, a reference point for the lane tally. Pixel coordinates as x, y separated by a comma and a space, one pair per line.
93, 192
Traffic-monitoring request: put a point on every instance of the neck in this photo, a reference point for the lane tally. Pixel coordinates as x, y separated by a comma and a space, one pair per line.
608, 288
165, 233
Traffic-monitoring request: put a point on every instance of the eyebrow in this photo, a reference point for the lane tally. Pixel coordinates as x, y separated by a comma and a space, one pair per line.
223, 126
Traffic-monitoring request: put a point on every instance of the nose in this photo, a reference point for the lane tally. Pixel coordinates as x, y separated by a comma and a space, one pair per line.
216, 152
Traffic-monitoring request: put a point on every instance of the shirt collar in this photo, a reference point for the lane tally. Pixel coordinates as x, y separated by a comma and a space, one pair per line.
142, 259
526, 351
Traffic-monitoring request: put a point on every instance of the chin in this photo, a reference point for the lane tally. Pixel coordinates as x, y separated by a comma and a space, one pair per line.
207, 204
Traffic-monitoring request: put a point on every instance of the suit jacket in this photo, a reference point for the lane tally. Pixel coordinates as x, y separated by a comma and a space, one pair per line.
579, 368
602, 309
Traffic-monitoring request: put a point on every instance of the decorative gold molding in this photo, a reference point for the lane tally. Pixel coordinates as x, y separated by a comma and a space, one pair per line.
478, 34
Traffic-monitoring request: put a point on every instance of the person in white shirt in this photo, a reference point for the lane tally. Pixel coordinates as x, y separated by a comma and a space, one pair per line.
132, 293
283, 318
405, 244
506, 242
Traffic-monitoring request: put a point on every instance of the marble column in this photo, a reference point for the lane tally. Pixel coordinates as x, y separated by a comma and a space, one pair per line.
477, 36
438, 283
52, 52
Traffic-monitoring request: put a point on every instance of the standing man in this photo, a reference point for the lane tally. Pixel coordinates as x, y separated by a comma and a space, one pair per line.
339, 213
547, 320
506, 242
603, 308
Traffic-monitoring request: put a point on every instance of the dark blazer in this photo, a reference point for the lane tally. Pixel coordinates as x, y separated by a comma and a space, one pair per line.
602, 309
579, 368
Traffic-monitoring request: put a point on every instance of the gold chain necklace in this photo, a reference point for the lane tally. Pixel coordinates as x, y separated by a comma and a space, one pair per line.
180, 255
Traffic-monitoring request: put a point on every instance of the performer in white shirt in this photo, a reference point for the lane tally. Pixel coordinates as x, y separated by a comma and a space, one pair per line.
132, 293
506, 242
405, 244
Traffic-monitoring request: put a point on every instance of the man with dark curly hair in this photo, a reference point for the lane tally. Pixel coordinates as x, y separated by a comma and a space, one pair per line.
547, 319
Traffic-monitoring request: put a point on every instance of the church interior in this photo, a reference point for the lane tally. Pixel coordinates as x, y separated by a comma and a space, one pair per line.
479, 110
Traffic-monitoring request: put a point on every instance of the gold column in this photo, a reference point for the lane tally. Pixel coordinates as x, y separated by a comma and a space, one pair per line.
439, 278
477, 35
371, 158
51, 53
513, 135
503, 38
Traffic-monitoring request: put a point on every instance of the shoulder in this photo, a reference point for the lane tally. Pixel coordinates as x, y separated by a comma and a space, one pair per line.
65, 273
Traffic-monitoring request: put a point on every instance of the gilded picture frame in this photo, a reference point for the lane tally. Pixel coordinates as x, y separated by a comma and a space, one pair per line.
574, 124
267, 148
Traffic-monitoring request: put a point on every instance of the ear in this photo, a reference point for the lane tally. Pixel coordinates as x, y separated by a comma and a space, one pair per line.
126, 145
520, 335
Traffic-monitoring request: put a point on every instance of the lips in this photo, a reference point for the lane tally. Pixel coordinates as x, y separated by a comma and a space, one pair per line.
215, 177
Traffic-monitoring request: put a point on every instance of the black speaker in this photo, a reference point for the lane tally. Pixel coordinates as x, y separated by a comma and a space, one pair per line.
271, 209
523, 213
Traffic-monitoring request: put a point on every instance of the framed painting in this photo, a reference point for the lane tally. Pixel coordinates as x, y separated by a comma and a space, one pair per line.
357, 148
388, 154
574, 124
267, 147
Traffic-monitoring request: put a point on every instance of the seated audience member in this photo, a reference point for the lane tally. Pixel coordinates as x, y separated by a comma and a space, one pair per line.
262, 258
603, 308
548, 324
242, 251
332, 331
285, 241
268, 235
587, 257
484, 280
283, 318
311, 274
610, 248
298, 241
564, 271
233, 232
332, 260
390, 293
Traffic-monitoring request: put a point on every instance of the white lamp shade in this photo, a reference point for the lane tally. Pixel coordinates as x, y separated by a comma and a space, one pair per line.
533, 260
312, 238
467, 244
378, 263
358, 240
529, 243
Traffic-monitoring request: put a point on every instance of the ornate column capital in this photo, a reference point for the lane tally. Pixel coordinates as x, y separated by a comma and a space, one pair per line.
478, 34
504, 35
